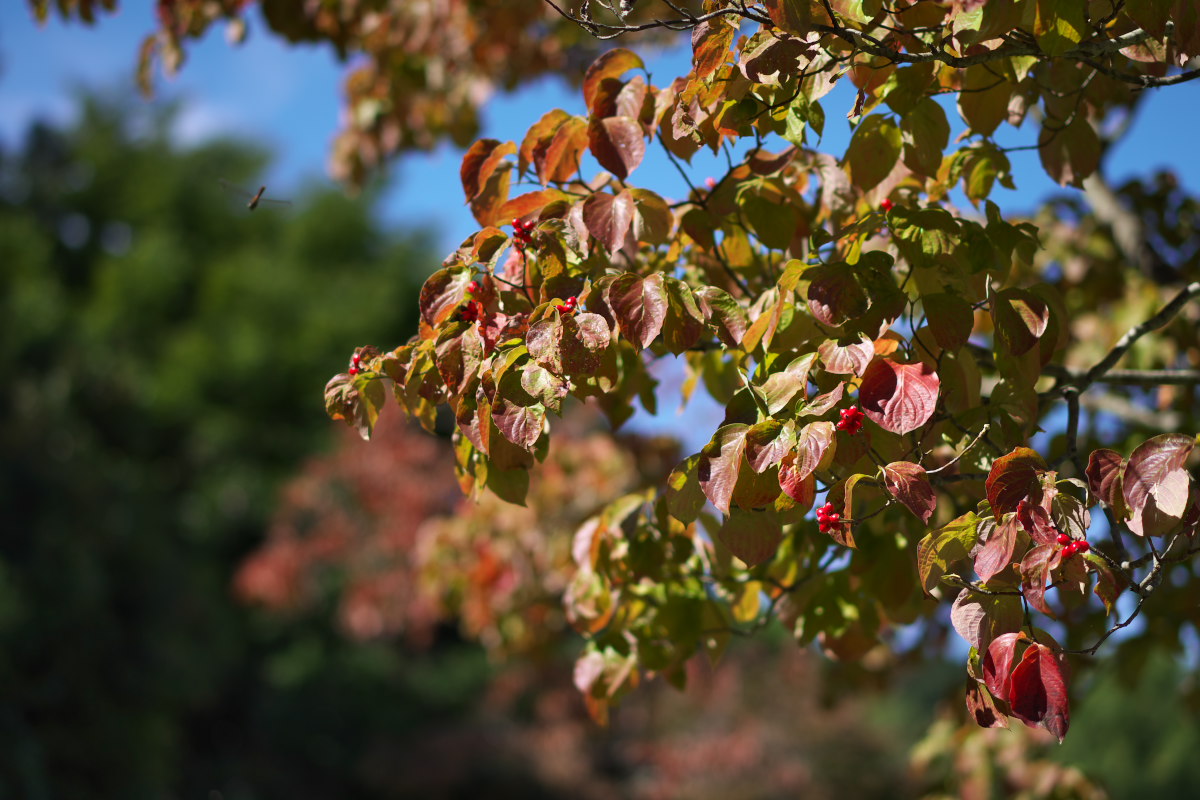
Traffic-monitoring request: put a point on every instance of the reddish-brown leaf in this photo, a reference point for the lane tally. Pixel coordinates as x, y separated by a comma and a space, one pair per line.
997, 552
719, 463
768, 442
1035, 574
612, 64
811, 443
850, 358
1072, 154
561, 159
1103, 471
480, 162
834, 295
724, 314
1012, 478
980, 618
640, 306
1037, 692
1037, 523
608, 217
441, 295
538, 138
909, 484
898, 397
1151, 463
617, 143
520, 425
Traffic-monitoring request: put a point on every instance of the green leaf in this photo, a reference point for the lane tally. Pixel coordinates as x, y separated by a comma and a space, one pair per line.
684, 496
983, 101
873, 152
925, 133
1060, 25
950, 319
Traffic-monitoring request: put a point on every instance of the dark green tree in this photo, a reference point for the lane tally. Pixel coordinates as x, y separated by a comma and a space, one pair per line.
159, 345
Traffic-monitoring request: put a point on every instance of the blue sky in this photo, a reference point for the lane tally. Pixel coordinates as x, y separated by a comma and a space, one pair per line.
287, 98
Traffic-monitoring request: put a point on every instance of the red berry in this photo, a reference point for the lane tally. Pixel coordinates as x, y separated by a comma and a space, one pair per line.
354, 359
1070, 550
473, 287
563, 309
572, 301
1063, 539
887, 205
353, 370
834, 517
1082, 546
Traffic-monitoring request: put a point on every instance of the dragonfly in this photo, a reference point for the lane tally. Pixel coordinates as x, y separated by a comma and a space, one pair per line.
255, 198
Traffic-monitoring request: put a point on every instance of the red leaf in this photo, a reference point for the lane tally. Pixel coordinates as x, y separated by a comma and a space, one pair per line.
796, 484
1012, 478
1151, 463
1036, 522
719, 462
997, 552
997, 663
898, 397
851, 358
612, 64
618, 144
608, 217
1035, 574
640, 306
908, 483
1103, 470
1037, 692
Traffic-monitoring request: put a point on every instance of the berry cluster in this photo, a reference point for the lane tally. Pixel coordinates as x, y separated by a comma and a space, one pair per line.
887, 205
355, 364
522, 231
851, 421
827, 518
471, 312
1072, 546
569, 306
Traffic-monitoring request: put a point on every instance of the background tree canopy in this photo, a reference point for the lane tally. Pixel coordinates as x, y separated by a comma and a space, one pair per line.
937, 419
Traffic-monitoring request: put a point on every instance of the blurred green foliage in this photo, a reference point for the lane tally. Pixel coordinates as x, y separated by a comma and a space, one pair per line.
163, 351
